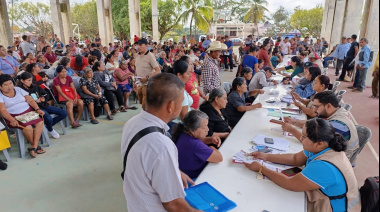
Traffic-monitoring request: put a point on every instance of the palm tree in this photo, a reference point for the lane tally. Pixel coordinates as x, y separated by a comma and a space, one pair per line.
257, 12
198, 11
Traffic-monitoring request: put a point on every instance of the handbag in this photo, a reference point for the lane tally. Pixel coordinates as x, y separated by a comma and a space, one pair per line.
28, 117
4, 140
69, 92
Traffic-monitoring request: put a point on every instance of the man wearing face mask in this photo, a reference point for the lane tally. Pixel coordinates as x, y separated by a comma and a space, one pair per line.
327, 106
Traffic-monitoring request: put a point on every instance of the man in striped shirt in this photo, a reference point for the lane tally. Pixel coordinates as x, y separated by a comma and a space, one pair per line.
210, 67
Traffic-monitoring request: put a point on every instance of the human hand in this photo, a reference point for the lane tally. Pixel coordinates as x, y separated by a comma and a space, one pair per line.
75, 100
262, 91
258, 105
361, 68
144, 80
14, 123
216, 141
45, 79
275, 82
40, 112
259, 155
205, 98
288, 120
186, 180
113, 84
255, 166
287, 127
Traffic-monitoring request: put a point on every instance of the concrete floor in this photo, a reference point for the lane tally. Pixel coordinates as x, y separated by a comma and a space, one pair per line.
81, 171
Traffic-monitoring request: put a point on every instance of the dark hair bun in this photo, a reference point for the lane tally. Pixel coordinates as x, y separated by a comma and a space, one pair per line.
338, 143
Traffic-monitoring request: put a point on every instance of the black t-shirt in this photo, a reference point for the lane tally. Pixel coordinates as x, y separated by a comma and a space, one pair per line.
217, 123
96, 53
351, 52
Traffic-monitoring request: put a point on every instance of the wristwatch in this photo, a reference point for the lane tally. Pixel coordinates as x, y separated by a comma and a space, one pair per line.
37, 109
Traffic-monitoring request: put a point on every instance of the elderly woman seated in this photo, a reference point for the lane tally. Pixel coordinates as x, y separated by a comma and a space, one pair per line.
193, 154
15, 102
91, 94
64, 91
236, 106
123, 76
328, 178
218, 123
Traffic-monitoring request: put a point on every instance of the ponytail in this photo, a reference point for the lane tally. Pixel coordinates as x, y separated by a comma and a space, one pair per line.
338, 143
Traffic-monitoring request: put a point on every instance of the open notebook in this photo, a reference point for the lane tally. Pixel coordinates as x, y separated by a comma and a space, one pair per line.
206, 198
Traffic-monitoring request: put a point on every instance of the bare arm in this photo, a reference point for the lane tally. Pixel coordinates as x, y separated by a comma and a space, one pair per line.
31, 102
249, 108
215, 157
120, 77
178, 205
298, 159
5, 114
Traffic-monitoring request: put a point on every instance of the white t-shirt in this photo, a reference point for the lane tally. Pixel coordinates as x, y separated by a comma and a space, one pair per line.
108, 66
17, 104
187, 101
285, 47
27, 48
152, 173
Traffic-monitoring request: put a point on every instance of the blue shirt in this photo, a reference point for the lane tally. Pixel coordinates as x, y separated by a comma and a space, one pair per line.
305, 91
206, 44
364, 57
341, 51
341, 128
274, 61
8, 65
328, 177
250, 61
229, 45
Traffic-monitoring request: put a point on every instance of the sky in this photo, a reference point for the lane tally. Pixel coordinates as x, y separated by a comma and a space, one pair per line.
273, 4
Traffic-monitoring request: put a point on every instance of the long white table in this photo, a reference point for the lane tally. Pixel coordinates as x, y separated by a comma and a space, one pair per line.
240, 184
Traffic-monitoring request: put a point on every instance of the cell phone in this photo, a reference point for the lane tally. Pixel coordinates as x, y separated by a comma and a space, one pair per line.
292, 171
265, 150
269, 140
270, 101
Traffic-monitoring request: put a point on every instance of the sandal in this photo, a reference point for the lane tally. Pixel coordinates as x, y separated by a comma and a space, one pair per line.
94, 121
110, 118
132, 108
31, 151
114, 112
123, 109
76, 125
40, 151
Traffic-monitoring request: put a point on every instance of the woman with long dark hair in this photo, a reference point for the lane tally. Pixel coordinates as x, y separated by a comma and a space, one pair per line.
328, 178
295, 64
306, 90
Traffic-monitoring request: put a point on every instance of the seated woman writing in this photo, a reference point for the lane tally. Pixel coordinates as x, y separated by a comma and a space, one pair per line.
41, 97
15, 102
217, 123
236, 106
328, 178
321, 83
193, 154
62, 83
91, 94
305, 89
295, 64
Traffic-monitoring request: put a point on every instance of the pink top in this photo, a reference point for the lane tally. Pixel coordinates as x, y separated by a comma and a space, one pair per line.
123, 73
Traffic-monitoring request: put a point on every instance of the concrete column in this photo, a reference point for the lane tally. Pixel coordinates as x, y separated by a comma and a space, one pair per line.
372, 34
155, 20
104, 12
325, 16
134, 18
5, 28
61, 16
353, 17
337, 29
330, 21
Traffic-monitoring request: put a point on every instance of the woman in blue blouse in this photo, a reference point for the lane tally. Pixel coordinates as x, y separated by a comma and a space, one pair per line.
328, 178
306, 90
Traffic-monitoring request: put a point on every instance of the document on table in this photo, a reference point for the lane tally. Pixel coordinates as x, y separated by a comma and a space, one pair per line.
274, 167
279, 143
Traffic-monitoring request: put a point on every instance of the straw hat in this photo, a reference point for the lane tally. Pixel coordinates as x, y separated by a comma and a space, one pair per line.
217, 46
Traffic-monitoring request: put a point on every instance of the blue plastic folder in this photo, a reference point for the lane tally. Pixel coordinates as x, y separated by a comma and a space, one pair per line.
206, 198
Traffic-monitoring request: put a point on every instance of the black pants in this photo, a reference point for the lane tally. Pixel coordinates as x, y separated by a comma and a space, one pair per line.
339, 64
346, 65
226, 62
109, 96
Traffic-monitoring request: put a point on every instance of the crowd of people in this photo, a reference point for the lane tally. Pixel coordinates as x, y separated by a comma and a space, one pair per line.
167, 79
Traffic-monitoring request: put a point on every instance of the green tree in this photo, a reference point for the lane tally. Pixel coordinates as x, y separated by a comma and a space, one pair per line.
198, 11
120, 16
33, 16
85, 15
257, 12
281, 19
308, 21
168, 16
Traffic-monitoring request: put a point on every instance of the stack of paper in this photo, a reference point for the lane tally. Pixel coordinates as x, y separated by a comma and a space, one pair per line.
279, 143
241, 157
287, 99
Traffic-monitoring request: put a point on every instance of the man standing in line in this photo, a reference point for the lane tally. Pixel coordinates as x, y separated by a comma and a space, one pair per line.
146, 67
152, 179
285, 45
365, 62
206, 43
228, 54
351, 54
340, 54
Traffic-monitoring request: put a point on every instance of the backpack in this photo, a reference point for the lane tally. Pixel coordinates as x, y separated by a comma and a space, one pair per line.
370, 195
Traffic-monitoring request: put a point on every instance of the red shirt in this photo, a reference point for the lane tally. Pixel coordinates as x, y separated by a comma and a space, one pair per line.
51, 58
57, 82
77, 68
192, 88
263, 54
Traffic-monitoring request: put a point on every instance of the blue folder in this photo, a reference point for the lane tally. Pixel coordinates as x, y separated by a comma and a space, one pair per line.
206, 198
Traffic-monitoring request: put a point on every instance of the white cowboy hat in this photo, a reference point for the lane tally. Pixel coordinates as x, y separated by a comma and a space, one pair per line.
217, 46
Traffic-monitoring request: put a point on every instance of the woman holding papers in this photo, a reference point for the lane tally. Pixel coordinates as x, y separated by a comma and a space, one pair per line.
328, 178
306, 90
193, 154
236, 106
321, 83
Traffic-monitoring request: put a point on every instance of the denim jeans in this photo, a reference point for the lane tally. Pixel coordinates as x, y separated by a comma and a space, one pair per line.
339, 64
50, 121
326, 61
362, 79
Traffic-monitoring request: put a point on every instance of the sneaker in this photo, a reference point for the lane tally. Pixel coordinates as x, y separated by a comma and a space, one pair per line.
54, 134
357, 91
351, 87
3, 166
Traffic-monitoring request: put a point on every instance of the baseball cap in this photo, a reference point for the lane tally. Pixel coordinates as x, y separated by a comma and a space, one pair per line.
309, 64
68, 46
9, 47
142, 41
314, 55
270, 70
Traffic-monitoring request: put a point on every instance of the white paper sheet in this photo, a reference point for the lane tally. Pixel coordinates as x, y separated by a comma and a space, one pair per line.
279, 143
